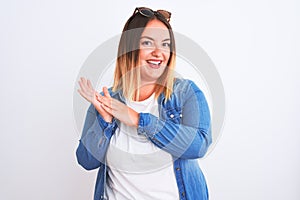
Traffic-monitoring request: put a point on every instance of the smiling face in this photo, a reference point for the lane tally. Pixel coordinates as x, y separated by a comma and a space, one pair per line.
154, 51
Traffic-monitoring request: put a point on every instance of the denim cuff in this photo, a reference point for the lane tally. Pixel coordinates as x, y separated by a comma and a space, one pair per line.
105, 125
147, 124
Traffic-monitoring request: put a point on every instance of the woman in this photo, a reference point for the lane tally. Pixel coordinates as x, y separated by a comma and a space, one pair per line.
147, 131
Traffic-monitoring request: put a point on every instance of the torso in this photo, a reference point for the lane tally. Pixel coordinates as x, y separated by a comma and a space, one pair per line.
137, 168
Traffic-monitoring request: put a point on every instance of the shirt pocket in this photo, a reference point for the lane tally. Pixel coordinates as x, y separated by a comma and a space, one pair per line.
174, 115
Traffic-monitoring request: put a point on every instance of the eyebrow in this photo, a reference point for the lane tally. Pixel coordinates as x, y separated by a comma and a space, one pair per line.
150, 38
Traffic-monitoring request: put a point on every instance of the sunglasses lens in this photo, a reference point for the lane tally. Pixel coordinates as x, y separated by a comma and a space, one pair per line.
165, 14
146, 12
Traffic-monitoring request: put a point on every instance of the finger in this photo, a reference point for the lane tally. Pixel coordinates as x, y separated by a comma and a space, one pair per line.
112, 103
82, 84
99, 97
89, 84
84, 95
105, 91
82, 80
98, 106
101, 106
106, 101
85, 91
106, 108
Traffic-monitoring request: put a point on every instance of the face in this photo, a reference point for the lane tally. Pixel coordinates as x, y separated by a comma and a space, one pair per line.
154, 51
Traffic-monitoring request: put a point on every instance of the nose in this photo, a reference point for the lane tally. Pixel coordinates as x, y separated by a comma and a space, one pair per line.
157, 52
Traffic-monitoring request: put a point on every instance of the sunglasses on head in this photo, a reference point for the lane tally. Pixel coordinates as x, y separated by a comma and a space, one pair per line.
147, 12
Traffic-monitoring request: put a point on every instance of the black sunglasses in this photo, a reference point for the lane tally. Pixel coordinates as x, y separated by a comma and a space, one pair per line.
147, 12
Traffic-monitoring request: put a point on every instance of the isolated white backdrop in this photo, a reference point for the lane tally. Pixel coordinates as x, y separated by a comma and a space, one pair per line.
254, 45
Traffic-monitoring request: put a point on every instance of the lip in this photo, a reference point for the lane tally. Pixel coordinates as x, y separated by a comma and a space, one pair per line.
154, 63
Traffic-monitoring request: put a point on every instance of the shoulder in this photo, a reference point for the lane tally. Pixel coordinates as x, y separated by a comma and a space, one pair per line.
186, 90
184, 85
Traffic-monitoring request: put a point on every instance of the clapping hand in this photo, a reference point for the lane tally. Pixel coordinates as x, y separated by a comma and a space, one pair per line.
87, 91
118, 109
107, 106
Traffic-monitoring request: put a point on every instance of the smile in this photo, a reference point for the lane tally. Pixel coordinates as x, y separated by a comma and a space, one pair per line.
154, 63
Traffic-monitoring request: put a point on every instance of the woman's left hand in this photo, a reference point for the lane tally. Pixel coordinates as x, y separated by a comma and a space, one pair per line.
118, 109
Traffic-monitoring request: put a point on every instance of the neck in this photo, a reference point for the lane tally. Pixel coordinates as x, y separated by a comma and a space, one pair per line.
146, 91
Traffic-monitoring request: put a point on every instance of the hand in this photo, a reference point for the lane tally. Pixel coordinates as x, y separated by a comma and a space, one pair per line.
87, 91
118, 109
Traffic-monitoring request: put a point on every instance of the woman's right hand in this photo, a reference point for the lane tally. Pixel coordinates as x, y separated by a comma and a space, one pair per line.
87, 91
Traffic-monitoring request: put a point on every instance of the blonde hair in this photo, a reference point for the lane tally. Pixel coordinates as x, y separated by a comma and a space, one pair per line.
127, 72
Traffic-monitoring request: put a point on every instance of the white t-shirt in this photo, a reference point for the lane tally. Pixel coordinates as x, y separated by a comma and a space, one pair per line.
137, 169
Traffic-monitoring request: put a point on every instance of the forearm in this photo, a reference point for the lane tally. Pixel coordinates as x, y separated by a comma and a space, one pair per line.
185, 131
94, 140
179, 140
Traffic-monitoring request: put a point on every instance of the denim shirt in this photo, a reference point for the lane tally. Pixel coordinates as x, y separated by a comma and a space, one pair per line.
182, 129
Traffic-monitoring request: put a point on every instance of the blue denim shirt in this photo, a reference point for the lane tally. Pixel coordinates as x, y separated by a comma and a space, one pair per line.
183, 129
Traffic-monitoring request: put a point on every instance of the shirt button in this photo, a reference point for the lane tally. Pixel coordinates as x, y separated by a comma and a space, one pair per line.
180, 115
172, 116
183, 194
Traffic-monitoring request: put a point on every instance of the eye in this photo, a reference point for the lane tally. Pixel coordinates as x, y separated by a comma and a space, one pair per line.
147, 43
166, 45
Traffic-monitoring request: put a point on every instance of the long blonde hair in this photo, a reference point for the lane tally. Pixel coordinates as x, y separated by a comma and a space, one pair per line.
127, 74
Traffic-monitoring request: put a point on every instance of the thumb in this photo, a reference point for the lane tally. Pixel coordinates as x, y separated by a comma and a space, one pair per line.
105, 91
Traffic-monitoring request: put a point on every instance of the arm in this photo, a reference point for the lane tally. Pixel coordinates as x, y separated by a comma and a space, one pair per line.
97, 129
189, 139
94, 140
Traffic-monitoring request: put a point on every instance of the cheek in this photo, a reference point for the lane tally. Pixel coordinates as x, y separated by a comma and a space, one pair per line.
143, 53
141, 57
167, 55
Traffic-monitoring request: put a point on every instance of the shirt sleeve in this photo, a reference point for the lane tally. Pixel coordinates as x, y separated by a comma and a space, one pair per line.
94, 140
188, 139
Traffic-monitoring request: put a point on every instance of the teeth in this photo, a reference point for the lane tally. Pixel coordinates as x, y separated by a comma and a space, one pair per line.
154, 62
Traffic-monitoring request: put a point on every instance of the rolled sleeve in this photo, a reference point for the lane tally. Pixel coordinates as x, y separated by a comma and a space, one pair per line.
148, 125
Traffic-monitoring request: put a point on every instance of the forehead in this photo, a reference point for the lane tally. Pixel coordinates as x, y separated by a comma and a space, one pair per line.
156, 29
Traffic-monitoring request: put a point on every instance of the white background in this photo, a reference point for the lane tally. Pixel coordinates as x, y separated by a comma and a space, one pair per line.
254, 45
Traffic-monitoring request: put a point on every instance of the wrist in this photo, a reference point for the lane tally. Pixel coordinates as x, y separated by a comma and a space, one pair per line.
134, 118
136, 122
108, 119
